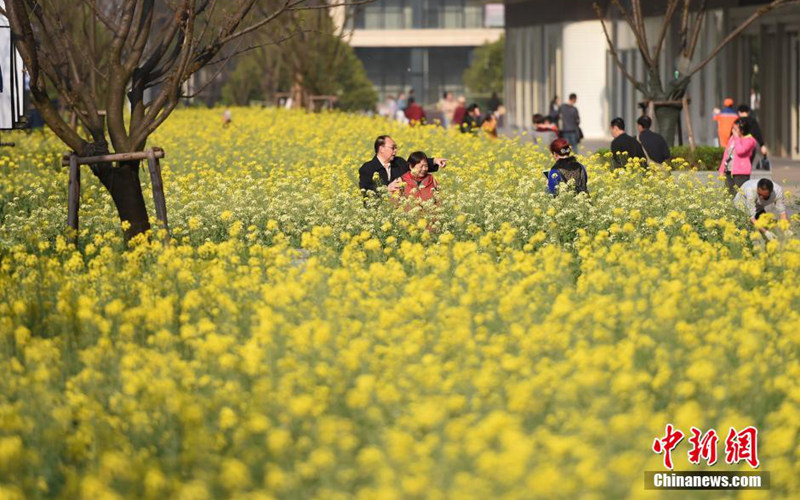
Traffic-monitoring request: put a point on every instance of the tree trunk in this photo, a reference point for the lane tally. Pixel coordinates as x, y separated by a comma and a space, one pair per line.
667, 118
122, 182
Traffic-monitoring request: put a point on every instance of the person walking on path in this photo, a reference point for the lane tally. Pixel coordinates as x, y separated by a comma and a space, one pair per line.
655, 146
552, 113
570, 121
387, 166
623, 147
759, 196
566, 169
736, 165
447, 106
760, 155
725, 119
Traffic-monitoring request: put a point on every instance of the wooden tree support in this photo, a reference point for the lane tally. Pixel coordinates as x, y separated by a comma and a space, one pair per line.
683, 105
689, 130
326, 102
74, 162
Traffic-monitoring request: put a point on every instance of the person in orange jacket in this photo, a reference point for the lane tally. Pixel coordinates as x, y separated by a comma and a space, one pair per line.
725, 119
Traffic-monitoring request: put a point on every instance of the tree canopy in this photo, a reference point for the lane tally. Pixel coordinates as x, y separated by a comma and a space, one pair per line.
485, 74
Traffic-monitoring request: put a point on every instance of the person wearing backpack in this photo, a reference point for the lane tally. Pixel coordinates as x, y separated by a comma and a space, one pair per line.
565, 169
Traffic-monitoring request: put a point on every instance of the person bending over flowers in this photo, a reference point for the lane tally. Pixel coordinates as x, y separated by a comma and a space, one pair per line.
566, 169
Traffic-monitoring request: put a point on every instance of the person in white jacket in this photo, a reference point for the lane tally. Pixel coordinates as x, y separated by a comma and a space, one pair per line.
759, 196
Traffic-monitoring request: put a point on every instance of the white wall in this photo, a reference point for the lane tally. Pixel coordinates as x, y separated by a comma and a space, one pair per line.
584, 60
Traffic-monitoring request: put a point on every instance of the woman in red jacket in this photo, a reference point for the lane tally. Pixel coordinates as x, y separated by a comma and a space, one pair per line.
736, 164
417, 183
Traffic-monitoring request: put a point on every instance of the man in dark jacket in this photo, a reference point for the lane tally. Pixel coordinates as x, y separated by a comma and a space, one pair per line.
654, 145
388, 167
623, 147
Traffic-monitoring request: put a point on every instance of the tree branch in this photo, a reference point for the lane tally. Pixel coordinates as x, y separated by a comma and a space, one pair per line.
671, 8
733, 34
332, 5
636, 83
102, 17
640, 40
698, 27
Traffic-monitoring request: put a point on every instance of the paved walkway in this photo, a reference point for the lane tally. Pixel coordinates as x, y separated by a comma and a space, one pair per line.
785, 171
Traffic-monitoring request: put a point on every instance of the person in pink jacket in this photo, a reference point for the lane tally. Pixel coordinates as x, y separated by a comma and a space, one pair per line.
736, 164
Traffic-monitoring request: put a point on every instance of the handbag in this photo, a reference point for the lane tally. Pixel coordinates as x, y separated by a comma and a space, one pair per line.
646, 155
765, 163
729, 159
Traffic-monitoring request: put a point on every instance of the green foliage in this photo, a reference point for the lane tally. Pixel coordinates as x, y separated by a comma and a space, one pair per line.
485, 75
356, 92
244, 84
333, 68
317, 59
705, 157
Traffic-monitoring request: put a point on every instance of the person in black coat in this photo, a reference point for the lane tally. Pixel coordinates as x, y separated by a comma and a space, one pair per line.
388, 167
471, 124
654, 145
566, 169
623, 147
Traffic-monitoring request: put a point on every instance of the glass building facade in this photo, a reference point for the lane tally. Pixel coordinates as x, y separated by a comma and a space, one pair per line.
426, 50
421, 14
430, 71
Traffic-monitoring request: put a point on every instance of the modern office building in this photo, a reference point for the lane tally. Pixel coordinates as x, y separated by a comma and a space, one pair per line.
421, 44
556, 48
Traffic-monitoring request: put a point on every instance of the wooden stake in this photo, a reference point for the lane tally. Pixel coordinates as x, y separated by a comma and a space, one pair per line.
688, 117
158, 188
73, 196
111, 158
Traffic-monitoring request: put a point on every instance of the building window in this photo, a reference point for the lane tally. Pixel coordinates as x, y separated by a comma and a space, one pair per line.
429, 71
429, 14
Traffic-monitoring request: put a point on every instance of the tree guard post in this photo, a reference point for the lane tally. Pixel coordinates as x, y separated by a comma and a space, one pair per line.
159, 200
688, 117
73, 161
73, 197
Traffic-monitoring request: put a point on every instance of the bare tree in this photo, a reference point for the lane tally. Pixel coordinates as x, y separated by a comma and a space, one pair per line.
667, 97
97, 54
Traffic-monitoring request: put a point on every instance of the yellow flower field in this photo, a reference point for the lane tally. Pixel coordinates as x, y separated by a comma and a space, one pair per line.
290, 342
